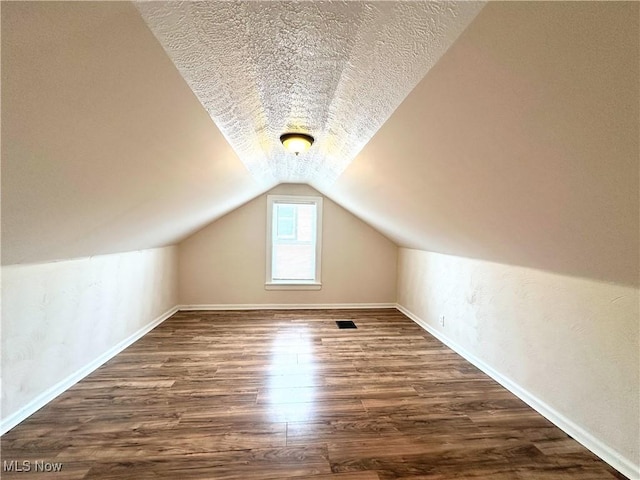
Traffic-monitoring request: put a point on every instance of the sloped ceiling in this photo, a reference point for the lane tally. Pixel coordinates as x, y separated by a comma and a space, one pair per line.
335, 70
519, 145
104, 147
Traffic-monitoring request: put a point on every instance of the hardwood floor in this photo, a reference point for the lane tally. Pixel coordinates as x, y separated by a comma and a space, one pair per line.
287, 395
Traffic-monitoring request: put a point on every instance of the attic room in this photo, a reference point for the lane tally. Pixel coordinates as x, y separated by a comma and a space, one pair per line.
196, 195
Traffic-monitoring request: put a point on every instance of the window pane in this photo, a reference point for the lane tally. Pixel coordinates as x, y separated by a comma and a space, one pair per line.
294, 242
285, 220
306, 223
294, 262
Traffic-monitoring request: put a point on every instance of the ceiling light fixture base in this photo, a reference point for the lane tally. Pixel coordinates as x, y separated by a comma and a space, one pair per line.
296, 142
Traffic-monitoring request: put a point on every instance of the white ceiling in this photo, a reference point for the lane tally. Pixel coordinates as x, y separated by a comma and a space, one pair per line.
519, 145
335, 70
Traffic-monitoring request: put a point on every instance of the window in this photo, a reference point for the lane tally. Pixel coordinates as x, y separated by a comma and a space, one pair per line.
294, 233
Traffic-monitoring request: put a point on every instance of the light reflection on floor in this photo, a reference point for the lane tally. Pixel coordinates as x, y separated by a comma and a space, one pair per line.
291, 387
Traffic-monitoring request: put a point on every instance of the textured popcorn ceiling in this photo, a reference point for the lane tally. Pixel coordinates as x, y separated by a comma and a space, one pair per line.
335, 70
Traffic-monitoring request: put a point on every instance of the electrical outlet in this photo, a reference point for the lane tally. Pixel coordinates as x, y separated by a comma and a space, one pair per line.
442, 320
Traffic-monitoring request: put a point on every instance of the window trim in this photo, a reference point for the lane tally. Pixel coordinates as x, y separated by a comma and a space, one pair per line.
315, 284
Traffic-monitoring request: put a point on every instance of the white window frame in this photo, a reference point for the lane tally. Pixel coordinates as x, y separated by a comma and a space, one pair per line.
270, 283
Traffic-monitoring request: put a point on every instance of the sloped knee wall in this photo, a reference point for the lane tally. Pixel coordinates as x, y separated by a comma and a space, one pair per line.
62, 320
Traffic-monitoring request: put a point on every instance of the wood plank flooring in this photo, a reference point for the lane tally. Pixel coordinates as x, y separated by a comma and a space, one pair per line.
287, 395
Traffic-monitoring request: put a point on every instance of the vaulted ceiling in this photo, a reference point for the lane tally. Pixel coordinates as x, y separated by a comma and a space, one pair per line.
335, 70
506, 132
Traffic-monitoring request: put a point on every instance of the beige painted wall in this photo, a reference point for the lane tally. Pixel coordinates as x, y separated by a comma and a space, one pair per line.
225, 262
519, 147
571, 342
58, 318
105, 148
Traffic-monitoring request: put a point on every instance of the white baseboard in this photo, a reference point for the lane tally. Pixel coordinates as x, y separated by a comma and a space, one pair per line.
606, 453
60, 387
285, 306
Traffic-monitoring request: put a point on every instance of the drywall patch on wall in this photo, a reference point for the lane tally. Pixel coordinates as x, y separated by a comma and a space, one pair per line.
59, 317
572, 343
225, 263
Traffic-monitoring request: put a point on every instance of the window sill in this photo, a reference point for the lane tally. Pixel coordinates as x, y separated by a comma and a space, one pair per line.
292, 286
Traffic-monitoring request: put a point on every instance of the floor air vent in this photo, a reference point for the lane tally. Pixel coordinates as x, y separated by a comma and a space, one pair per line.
345, 324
